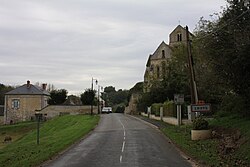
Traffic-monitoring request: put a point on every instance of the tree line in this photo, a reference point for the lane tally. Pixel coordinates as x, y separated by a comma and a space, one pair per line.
221, 57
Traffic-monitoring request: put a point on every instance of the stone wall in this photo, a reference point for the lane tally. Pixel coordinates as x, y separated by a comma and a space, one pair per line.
55, 110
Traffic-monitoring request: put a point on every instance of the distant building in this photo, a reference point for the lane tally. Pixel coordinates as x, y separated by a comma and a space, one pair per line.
156, 66
22, 102
73, 100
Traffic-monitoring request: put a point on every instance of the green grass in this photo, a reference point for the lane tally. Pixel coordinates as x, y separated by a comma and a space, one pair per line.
242, 124
55, 136
15, 131
205, 151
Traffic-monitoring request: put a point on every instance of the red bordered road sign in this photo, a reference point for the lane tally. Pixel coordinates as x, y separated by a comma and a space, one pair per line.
200, 107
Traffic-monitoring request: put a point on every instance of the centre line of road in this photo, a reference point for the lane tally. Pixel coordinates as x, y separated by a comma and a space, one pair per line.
123, 143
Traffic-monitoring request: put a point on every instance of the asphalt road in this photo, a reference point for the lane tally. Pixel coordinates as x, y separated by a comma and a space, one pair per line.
122, 141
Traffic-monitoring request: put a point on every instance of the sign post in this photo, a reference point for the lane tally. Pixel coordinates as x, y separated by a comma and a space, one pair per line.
179, 100
201, 108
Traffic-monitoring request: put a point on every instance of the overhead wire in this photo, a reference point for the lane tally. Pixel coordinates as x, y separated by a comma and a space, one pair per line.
205, 36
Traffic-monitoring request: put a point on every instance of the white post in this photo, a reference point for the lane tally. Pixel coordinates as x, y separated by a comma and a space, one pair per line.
161, 113
179, 114
149, 112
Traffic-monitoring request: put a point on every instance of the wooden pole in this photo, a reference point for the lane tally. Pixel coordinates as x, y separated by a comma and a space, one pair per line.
194, 94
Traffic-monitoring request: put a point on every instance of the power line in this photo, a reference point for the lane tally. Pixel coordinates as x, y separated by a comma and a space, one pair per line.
205, 36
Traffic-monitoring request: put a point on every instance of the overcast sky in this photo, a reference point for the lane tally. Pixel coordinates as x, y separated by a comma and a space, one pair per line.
67, 42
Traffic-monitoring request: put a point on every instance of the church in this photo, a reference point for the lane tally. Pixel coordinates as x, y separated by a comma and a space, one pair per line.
157, 62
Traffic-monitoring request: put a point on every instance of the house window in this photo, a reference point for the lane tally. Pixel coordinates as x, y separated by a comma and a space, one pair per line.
15, 103
179, 37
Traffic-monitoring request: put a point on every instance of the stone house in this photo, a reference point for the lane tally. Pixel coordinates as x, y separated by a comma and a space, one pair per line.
156, 66
22, 102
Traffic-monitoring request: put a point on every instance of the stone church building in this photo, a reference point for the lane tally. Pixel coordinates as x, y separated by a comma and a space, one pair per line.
157, 62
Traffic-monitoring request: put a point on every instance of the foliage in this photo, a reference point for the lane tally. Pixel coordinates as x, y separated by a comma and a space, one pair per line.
58, 96
4, 89
88, 97
177, 79
199, 123
225, 44
120, 109
155, 109
169, 109
109, 89
113, 97
55, 136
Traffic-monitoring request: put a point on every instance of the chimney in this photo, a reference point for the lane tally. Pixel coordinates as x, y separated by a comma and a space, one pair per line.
28, 84
44, 85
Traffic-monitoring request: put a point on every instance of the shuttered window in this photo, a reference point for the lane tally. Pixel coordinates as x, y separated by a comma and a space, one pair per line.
15, 103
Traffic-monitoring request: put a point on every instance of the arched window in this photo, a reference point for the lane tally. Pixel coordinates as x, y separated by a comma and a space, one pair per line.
179, 37
163, 53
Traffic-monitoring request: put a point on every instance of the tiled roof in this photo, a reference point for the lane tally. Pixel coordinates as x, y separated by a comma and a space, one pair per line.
31, 90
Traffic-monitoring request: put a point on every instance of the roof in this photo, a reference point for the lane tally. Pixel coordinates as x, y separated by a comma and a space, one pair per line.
31, 90
179, 27
157, 54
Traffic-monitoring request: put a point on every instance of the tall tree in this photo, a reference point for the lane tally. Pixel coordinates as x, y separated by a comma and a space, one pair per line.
88, 97
225, 45
4, 89
58, 96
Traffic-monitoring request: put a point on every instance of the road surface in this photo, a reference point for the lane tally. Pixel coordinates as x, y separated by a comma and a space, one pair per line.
122, 141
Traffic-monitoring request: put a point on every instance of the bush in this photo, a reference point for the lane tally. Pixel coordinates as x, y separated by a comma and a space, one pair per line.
155, 109
200, 123
169, 109
231, 103
120, 109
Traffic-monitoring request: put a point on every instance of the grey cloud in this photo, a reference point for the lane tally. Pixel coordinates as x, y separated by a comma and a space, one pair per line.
65, 43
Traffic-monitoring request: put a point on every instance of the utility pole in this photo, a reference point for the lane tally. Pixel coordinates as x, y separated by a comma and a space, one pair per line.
194, 95
92, 89
98, 100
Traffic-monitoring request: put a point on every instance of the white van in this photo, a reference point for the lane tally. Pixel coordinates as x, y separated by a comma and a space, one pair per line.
106, 110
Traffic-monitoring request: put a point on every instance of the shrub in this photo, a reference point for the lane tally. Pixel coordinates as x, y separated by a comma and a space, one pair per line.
169, 109
155, 109
200, 123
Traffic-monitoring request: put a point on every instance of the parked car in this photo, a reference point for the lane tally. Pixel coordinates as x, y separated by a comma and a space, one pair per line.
106, 110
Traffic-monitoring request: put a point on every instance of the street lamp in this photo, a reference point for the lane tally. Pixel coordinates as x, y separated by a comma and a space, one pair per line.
98, 96
38, 118
92, 88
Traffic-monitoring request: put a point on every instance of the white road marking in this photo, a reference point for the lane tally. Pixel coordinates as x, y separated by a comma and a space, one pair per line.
123, 145
120, 158
124, 138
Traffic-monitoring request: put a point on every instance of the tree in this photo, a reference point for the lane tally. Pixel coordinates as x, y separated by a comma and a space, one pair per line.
113, 97
109, 89
4, 89
88, 97
58, 96
225, 44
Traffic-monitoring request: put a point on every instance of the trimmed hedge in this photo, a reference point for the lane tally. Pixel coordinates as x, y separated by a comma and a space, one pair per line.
169, 109
155, 109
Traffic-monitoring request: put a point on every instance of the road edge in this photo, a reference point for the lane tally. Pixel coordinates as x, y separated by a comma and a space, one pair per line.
59, 154
188, 158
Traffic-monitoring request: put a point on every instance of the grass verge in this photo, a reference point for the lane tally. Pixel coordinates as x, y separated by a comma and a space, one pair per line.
55, 135
15, 131
206, 151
